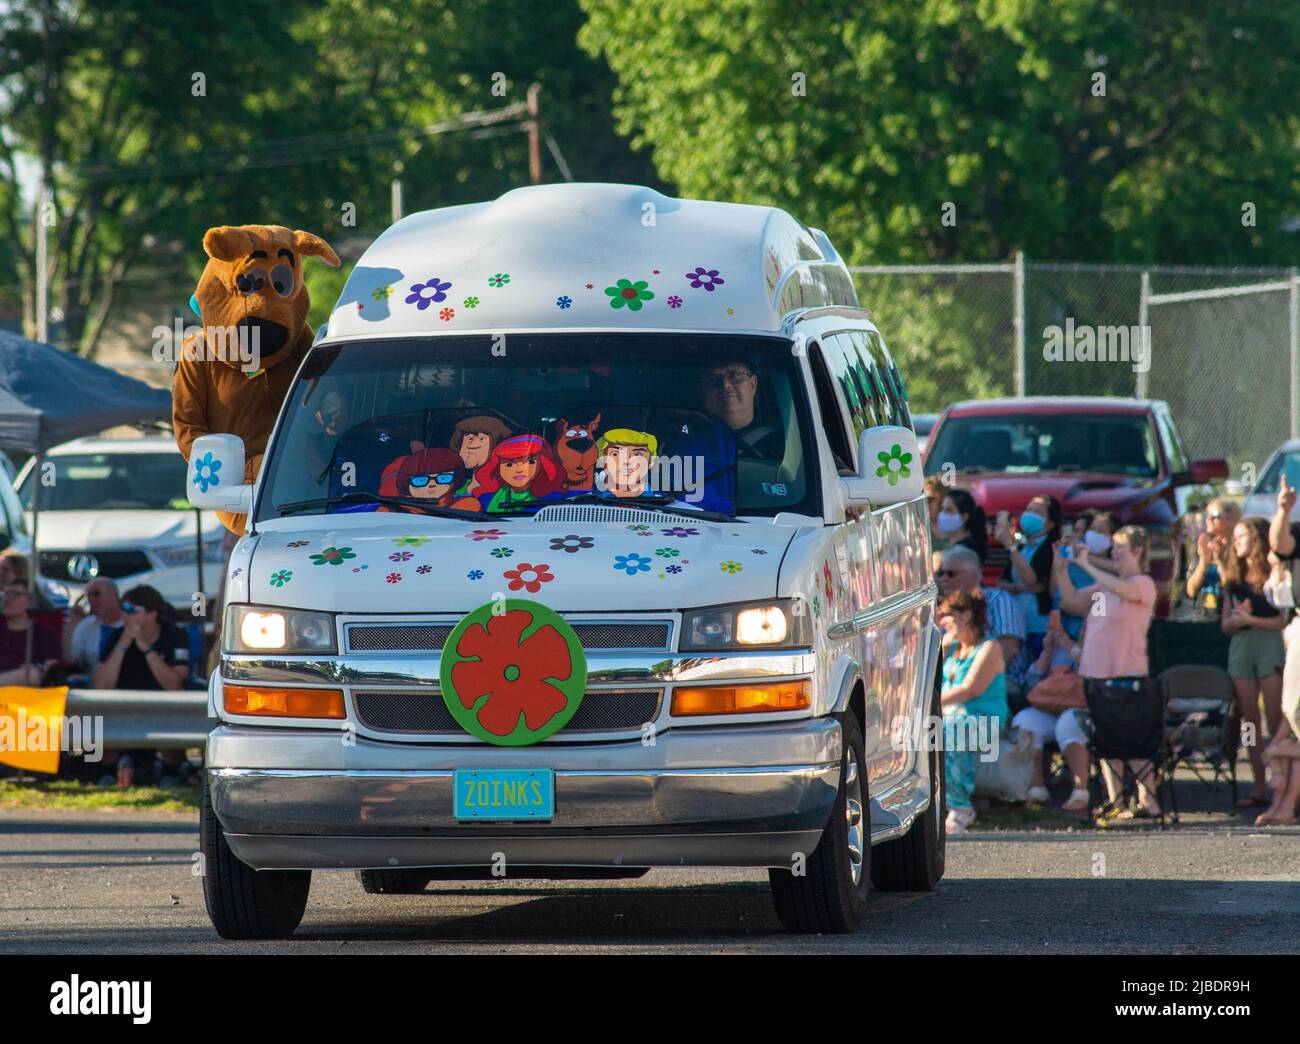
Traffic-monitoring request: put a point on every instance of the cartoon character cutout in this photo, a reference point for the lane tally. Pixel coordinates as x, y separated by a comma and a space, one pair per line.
575, 447
425, 474
625, 457
474, 439
519, 471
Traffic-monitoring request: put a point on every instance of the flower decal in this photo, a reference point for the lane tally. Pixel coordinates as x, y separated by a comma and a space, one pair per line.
475, 574
894, 464
205, 472
730, 567
817, 607
674, 568
470, 302
400, 556
572, 543
632, 564
296, 543
381, 293
281, 578
502, 552
393, 578
674, 301
447, 314
512, 678
706, 278
563, 302
633, 295
828, 581
500, 279
667, 552
411, 541
757, 551
680, 531
431, 292
639, 529
486, 534
528, 577
422, 570
333, 556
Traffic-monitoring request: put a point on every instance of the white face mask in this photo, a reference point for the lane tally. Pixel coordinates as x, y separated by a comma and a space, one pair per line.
948, 521
1097, 543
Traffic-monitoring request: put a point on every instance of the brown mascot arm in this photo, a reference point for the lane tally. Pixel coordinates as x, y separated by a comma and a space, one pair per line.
189, 402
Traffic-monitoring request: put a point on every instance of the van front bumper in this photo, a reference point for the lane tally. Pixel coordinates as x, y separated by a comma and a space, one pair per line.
734, 796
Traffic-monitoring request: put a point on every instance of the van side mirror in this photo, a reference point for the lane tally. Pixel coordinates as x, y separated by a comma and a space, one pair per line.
889, 467
215, 480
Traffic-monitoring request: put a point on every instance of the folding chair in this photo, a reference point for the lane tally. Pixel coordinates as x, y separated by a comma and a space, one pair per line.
1203, 724
1127, 723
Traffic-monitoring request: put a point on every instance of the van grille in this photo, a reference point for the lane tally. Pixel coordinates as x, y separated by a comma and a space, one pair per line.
423, 711
432, 637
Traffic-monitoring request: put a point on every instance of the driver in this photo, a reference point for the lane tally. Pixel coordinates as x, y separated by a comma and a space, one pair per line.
727, 390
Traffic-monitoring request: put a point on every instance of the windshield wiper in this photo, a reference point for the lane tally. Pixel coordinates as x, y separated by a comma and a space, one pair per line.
420, 507
660, 503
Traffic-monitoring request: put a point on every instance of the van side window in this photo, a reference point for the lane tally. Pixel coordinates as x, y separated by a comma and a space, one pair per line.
829, 409
842, 359
889, 378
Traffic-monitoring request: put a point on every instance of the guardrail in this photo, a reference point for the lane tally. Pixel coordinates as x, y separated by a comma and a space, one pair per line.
159, 720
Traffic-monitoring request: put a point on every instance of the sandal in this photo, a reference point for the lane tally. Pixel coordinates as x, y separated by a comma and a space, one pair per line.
1077, 802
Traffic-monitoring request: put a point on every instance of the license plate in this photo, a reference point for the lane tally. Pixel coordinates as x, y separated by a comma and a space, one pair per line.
518, 794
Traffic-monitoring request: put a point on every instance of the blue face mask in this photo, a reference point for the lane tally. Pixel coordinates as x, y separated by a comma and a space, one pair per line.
1030, 524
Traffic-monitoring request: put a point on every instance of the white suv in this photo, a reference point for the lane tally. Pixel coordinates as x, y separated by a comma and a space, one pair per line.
117, 508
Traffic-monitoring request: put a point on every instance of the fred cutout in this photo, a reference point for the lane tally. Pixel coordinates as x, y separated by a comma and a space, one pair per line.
233, 376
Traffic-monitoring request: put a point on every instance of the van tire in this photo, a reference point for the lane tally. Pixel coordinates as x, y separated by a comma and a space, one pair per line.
915, 861
244, 903
826, 899
394, 882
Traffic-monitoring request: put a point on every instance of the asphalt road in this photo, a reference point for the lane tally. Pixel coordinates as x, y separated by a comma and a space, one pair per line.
79, 882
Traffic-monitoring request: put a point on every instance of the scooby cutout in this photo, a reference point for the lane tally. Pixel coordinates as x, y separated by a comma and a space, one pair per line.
575, 448
251, 294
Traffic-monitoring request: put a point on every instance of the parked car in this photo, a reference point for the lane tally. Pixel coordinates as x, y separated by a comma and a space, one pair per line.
923, 424
1261, 499
723, 667
1125, 456
118, 508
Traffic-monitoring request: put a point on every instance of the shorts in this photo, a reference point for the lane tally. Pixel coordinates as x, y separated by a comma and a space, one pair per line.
1256, 653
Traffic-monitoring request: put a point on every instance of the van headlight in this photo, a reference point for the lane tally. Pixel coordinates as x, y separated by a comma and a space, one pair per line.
780, 624
262, 628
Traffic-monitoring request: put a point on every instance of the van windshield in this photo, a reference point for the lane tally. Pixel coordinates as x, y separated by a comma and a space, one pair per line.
506, 424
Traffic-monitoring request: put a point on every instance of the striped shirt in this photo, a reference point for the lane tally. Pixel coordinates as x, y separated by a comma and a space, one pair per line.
1005, 620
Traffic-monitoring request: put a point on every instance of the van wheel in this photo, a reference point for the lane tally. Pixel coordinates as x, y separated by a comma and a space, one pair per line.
915, 861
244, 903
831, 894
394, 882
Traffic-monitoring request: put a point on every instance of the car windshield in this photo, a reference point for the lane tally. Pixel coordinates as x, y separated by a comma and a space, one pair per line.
1115, 443
109, 482
1284, 463
506, 424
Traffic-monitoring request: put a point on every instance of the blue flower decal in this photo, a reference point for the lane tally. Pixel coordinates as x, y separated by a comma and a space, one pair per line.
475, 574
632, 564
205, 472
563, 302
424, 294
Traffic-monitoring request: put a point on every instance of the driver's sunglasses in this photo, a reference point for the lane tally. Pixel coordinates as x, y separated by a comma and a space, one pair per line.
443, 478
718, 380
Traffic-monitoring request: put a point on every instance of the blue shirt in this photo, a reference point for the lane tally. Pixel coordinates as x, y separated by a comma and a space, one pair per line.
992, 702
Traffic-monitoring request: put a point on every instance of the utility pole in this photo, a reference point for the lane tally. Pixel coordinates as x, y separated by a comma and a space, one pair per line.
42, 265
396, 189
534, 134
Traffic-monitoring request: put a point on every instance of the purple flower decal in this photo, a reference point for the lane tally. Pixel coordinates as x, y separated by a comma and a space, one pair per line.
674, 569
705, 277
424, 294
674, 301
680, 531
400, 556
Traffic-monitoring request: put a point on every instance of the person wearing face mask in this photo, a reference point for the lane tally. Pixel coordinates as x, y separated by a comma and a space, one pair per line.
1093, 529
962, 522
1115, 639
1029, 571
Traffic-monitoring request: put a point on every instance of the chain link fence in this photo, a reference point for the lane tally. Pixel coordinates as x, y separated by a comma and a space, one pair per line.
1218, 344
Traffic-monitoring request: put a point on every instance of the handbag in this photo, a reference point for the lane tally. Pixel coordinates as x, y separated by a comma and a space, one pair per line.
1060, 691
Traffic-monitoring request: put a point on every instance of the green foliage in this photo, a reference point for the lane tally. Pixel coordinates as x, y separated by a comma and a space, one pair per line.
990, 105
324, 284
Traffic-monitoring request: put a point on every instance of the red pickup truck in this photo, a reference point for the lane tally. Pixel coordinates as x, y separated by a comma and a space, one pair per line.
1120, 455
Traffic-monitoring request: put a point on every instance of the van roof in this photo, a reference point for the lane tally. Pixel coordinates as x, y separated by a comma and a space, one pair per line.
561, 257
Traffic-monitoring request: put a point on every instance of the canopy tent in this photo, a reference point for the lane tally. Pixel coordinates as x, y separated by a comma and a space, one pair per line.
48, 396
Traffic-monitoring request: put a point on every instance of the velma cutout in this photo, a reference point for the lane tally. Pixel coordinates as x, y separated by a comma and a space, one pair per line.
233, 377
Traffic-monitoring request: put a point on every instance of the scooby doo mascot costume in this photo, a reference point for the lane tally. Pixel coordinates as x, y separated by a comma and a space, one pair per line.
233, 377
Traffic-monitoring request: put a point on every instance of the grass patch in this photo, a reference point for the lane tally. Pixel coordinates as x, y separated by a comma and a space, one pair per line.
1009, 815
63, 793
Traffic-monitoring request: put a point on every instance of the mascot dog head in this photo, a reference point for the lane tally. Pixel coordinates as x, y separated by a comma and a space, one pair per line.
253, 282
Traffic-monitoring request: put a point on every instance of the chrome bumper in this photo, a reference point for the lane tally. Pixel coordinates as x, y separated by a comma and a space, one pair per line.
750, 796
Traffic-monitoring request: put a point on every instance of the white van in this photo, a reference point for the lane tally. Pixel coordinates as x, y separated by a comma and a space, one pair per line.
590, 539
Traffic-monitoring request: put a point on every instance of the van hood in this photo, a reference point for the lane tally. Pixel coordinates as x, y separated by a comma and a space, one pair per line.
1132, 499
419, 565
